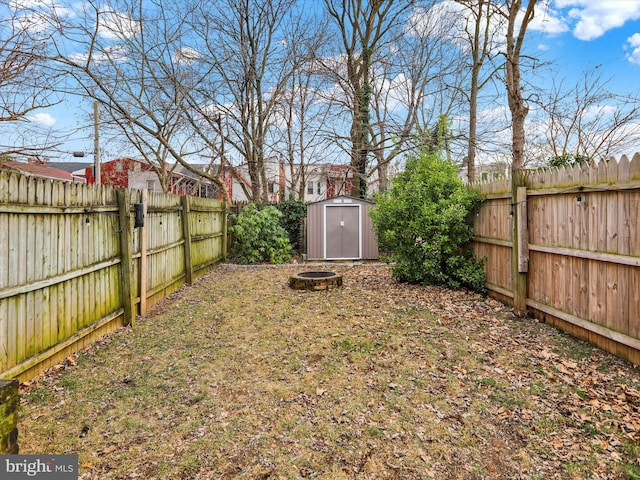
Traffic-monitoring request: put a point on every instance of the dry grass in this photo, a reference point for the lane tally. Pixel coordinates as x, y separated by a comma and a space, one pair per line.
240, 377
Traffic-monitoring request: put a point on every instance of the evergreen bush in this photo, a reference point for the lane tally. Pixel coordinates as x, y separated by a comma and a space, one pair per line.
569, 160
424, 221
259, 237
293, 211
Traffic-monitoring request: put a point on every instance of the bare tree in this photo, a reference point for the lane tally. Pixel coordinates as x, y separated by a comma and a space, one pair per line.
152, 151
141, 61
190, 80
479, 33
25, 84
415, 81
589, 120
166, 73
303, 114
363, 28
246, 48
517, 23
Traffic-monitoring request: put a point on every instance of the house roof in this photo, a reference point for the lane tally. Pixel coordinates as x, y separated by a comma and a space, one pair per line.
69, 166
180, 169
37, 170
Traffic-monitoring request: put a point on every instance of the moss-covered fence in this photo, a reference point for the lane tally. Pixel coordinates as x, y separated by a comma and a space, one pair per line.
9, 405
77, 266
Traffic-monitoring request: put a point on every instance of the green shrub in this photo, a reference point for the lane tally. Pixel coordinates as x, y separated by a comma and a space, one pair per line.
258, 236
569, 160
423, 220
292, 212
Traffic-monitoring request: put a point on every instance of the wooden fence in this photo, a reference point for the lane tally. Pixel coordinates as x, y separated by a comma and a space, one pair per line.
576, 234
73, 267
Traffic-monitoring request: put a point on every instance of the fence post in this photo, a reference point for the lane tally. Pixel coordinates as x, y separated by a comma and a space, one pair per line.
186, 229
9, 412
143, 255
126, 248
224, 231
523, 231
519, 257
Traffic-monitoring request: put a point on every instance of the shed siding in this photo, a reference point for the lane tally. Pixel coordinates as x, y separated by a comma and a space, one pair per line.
315, 231
316, 228
369, 241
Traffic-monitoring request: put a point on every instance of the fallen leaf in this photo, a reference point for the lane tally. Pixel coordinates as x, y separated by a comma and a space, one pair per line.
109, 449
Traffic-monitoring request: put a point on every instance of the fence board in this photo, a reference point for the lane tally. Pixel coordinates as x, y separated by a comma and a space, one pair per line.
61, 283
584, 242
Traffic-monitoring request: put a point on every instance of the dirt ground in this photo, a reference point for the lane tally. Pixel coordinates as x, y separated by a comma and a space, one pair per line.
238, 376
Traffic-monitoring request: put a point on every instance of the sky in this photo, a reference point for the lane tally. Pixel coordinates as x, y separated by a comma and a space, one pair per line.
573, 35
598, 37
592, 34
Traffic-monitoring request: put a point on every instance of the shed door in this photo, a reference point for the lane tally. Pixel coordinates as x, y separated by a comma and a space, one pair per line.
342, 231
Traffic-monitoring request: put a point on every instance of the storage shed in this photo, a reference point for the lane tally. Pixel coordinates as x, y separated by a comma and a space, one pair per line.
340, 228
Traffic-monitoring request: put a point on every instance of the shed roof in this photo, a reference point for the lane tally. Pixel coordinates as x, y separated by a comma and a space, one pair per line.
330, 200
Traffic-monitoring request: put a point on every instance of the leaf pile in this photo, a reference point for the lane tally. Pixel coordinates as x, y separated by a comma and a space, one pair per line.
239, 376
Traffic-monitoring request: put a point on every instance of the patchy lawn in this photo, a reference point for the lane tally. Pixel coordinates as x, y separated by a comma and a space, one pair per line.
238, 376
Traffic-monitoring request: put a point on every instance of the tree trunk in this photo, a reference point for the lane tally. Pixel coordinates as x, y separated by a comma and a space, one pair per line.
383, 173
518, 113
362, 120
471, 150
254, 177
513, 82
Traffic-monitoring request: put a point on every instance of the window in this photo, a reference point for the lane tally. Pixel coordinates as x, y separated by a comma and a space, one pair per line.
272, 187
151, 185
318, 188
310, 188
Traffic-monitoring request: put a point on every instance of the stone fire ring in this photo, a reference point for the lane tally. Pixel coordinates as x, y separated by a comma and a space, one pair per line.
315, 281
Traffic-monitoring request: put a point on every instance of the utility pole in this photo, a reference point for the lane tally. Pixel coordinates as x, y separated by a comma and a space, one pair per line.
96, 145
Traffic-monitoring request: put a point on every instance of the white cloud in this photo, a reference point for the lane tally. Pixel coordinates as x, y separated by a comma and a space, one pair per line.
43, 15
596, 17
43, 119
394, 92
452, 20
599, 111
39, 17
625, 140
29, 4
633, 48
547, 20
186, 55
115, 25
441, 18
495, 114
116, 54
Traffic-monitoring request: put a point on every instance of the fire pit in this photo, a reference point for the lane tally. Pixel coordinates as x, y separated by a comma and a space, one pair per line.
315, 281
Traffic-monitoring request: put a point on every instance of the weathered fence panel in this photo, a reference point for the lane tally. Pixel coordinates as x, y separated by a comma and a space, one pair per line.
493, 227
208, 233
583, 242
165, 267
71, 258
